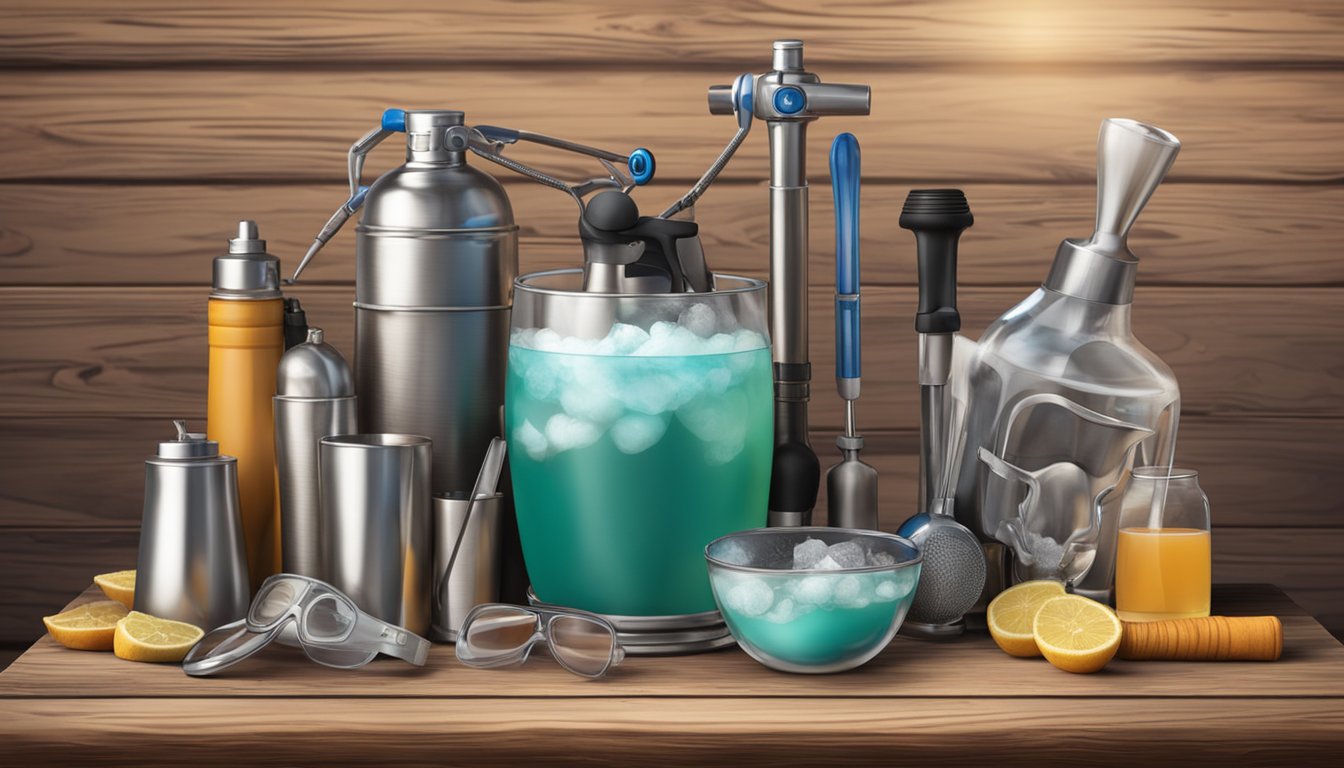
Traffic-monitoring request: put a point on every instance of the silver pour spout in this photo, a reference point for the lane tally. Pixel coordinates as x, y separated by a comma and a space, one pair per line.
1132, 160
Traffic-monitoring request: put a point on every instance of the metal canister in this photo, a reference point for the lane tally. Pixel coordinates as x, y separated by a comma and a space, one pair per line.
191, 565
436, 255
315, 397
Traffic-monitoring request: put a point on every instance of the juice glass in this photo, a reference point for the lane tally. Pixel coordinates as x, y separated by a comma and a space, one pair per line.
1164, 558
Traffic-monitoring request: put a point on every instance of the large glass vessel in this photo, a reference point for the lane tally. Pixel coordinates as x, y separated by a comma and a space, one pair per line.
641, 429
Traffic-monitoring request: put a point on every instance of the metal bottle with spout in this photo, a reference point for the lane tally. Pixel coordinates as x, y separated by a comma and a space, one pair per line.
1061, 398
314, 398
788, 98
246, 316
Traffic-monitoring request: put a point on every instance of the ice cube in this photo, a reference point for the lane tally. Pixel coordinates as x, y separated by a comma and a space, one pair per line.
565, 433
699, 319
848, 554
670, 340
827, 563
531, 439
881, 558
732, 552
546, 340
717, 418
590, 403
636, 432
785, 610
894, 586
540, 381
813, 590
808, 554
848, 592
887, 590
623, 339
750, 597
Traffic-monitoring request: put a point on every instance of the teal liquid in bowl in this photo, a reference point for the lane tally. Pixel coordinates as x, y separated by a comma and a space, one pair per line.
625, 467
820, 638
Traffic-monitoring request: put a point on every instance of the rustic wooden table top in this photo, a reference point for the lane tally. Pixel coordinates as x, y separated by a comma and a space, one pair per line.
918, 702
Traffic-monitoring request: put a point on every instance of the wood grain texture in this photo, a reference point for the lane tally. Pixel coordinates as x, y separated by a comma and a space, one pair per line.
592, 33
87, 472
296, 125
42, 567
142, 351
969, 666
1190, 234
676, 732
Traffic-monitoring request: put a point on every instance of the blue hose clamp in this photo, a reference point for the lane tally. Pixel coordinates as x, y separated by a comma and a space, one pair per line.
394, 120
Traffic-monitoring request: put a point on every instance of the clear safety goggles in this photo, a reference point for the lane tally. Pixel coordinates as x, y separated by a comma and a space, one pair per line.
499, 635
329, 627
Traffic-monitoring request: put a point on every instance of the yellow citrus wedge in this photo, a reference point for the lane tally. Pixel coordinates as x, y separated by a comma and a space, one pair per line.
1077, 634
141, 637
119, 586
88, 627
1011, 613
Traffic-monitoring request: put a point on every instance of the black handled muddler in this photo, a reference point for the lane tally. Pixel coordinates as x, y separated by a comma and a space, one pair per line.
937, 217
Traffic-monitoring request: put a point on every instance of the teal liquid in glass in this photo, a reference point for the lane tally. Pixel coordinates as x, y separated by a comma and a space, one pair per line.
819, 638
624, 468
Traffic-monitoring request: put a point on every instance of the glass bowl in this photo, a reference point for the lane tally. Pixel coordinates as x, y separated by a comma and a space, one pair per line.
811, 606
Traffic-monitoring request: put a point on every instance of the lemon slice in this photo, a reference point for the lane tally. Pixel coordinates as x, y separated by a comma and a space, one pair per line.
88, 627
1077, 634
141, 637
119, 586
1011, 613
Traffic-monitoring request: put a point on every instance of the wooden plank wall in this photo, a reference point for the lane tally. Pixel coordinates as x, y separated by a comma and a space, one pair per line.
133, 135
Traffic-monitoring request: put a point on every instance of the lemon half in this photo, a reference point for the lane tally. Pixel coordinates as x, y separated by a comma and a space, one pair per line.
141, 637
1077, 634
88, 627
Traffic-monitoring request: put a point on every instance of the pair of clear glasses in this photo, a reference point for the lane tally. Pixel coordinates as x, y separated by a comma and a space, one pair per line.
324, 621
498, 635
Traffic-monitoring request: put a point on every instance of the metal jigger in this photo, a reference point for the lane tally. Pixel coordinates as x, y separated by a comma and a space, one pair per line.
851, 485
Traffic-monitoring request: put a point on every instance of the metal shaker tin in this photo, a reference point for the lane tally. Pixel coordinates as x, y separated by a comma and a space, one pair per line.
315, 398
191, 565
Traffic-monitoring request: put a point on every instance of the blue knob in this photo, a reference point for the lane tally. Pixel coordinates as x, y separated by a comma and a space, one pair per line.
394, 120
789, 101
641, 166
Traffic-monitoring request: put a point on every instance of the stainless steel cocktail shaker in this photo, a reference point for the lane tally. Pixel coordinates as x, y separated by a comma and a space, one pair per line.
315, 397
192, 566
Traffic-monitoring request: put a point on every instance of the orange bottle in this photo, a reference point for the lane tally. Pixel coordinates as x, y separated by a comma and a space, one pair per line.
246, 316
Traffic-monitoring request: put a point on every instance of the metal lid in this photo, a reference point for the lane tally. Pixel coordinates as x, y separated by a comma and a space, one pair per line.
247, 271
314, 369
188, 445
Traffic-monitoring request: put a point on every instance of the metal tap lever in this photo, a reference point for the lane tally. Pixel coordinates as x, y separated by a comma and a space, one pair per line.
788, 98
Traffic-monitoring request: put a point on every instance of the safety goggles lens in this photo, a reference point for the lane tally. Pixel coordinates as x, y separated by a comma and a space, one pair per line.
329, 619
584, 646
496, 632
275, 598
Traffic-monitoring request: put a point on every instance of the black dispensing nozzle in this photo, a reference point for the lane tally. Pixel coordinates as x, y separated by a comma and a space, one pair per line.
620, 247
937, 217
296, 323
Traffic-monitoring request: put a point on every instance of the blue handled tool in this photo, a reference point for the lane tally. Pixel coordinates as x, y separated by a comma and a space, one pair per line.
851, 485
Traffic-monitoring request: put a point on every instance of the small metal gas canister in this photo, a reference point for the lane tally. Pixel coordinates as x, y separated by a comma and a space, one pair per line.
192, 566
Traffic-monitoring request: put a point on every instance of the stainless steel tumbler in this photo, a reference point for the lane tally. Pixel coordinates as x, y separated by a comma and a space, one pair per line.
315, 397
191, 565
374, 527
476, 570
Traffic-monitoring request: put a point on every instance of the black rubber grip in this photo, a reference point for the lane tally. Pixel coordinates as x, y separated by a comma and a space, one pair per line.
937, 217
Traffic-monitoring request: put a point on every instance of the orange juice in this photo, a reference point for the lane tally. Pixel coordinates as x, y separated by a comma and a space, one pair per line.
1162, 573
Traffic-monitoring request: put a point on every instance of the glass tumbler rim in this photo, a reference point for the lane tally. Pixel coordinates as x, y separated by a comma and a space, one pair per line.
520, 283
759, 532
1164, 473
